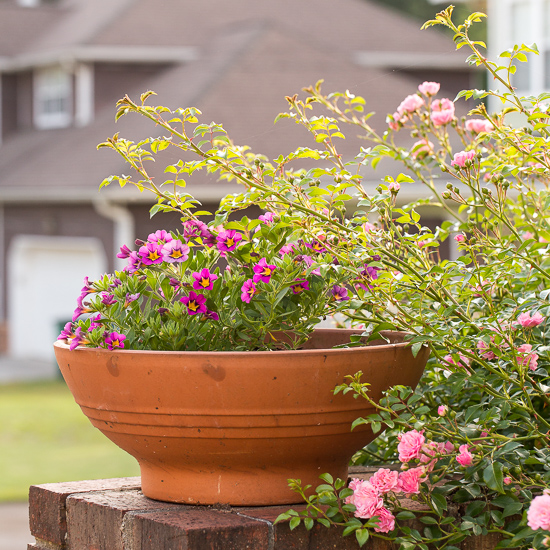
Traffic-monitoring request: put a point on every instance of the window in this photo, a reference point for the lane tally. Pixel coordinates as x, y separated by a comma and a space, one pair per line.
52, 98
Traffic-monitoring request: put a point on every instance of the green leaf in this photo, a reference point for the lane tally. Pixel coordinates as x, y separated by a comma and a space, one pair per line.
362, 536
439, 503
492, 475
294, 522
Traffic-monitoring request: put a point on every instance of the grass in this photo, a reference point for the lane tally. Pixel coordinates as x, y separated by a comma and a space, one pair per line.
44, 437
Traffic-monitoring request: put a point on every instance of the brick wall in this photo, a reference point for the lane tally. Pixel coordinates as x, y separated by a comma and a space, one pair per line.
113, 514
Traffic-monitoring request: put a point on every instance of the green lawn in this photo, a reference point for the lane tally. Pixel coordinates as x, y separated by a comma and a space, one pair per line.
44, 437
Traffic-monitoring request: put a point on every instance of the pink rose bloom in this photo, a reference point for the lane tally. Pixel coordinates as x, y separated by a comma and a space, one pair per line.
409, 480
526, 357
443, 111
394, 187
422, 148
478, 125
410, 104
394, 121
538, 515
527, 235
365, 498
462, 360
429, 88
386, 521
410, 444
484, 350
507, 480
385, 480
442, 410
447, 447
462, 157
465, 458
369, 227
460, 238
526, 321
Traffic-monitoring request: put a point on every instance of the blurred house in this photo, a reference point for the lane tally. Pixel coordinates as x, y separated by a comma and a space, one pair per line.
64, 64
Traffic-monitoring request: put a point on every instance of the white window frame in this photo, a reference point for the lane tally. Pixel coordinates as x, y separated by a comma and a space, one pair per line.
52, 84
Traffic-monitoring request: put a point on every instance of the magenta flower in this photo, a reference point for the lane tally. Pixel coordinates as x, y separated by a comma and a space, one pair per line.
248, 290
79, 338
340, 293
134, 262
195, 303
263, 271
115, 340
204, 280
87, 288
267, 217
316, 245
193, 229
299, 286
461, 158
160, 237
150, 254
175, 251
81, 309
96, 322
108, 299
287, 249
124, 252
67, 332
209, 314
130, 298
228, 240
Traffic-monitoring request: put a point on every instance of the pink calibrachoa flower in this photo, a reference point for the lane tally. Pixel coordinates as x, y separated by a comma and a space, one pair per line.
96, 322
108, 299
478, 125
460, 238
160, 237
78, 338
150, 254
195, 303
365, 498
175, 251
442, 410
209, 314
340, 293
263, 271
384, 480
204, 280
429, 88
527, 321
193, 229
386, 521
538, 515
299, 286
462, 157
526, 357
248, 290
124, 252
410, 444
409, 480
130, 298
465, 458
67, 331
80, 309
267, 217
421, 148
114, 340
228, 240
287, 249
316, 245
134, 262
410, 104
443, 111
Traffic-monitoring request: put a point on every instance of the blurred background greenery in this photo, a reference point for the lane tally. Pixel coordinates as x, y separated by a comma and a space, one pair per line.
45, 437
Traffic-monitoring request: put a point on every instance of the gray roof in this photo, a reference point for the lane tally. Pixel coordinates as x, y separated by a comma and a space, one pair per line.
244, 56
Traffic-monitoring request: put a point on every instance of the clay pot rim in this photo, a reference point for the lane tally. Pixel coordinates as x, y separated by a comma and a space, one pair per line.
280, 353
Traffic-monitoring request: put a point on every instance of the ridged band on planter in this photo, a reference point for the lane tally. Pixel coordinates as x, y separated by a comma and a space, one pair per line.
232, 427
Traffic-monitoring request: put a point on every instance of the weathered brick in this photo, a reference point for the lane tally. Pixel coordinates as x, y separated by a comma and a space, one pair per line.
47, 504
192, 528
94, 520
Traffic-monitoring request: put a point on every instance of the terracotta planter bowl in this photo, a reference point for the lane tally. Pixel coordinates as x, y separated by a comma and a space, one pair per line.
232, 427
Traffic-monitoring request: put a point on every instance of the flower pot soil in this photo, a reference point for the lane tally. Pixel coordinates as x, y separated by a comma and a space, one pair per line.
232, 427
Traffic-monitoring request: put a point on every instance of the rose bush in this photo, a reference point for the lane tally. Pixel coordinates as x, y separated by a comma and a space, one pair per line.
470, 446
